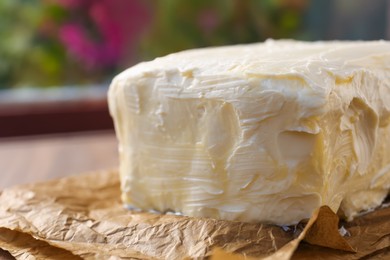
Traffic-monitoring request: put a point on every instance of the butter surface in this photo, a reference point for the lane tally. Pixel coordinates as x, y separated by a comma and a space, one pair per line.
263, 132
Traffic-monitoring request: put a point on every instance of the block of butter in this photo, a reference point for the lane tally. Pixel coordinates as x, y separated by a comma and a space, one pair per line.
264, 132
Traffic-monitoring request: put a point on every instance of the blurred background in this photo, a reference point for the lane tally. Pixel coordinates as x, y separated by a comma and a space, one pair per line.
59, 56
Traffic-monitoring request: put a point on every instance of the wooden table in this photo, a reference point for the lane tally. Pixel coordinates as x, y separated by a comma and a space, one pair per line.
40, 158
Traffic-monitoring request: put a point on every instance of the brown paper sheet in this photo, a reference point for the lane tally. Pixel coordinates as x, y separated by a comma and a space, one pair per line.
24, 246
82, 216
368, 235
321, 229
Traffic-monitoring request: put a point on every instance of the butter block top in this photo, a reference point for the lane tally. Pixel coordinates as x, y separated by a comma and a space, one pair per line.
315, 67
274, 57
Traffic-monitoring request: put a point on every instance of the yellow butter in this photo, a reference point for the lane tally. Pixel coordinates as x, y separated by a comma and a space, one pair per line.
264, 132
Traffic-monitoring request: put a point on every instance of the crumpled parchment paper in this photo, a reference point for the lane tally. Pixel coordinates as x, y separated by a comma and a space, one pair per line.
82, 217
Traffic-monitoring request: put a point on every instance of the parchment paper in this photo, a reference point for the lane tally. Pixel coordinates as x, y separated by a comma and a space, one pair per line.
83, 217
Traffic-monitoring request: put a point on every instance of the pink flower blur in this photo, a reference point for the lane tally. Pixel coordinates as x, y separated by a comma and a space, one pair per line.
73, 36
74, 3
119, 24
208, 20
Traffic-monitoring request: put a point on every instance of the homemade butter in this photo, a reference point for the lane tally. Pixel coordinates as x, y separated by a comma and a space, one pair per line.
261, 133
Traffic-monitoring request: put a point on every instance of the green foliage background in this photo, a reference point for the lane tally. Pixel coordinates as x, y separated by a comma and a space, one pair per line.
30, 57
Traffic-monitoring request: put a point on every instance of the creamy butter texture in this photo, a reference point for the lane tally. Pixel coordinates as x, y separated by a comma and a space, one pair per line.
261, 133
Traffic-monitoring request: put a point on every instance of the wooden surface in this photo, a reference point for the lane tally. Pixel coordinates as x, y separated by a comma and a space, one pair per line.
26, 160
33, 159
